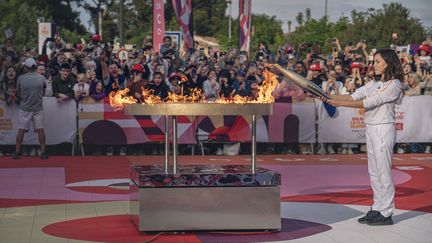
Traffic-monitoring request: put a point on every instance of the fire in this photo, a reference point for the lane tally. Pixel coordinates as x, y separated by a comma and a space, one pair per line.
264, 95
267, 87
196, 96
149, 97
119, 98
237, 99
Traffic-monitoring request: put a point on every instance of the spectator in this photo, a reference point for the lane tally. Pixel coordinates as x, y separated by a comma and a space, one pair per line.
48, 82
241, 85
10, 86
30, 87
158, 86
226, 90
113, 81
413, 85
340, 75
96, 90
63, 84
175, 83
332, 86
137, 83
300, 68
81, 88
315, 75
211, 86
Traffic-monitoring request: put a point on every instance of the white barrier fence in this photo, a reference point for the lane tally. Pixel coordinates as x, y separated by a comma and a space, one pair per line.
413, 122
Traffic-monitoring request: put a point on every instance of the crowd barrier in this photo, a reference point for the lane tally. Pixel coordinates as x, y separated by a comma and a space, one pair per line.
292, 122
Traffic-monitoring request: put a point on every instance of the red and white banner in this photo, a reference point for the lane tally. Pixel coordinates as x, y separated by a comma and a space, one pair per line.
413, 122
244, 28
158, 23
183, 13
290, 123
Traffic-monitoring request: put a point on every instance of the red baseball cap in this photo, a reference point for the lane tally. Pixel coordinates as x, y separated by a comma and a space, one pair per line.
138, 67
315, 67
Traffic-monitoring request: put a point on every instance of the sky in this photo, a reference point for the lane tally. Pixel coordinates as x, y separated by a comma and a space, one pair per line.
286, 10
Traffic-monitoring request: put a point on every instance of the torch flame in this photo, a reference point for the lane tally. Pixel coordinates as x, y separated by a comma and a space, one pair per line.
196, 96
119, 98
149, 97
264, 95
266, 89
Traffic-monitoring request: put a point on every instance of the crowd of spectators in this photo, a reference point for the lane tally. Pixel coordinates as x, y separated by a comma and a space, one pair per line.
90, 71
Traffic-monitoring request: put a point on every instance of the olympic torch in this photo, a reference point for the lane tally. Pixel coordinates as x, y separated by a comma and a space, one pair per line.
302, 82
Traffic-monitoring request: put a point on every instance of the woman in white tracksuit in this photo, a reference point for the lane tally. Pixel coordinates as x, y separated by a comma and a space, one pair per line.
379, 99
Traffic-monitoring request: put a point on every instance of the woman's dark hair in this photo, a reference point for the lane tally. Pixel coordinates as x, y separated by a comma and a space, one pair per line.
158, 73
394, 68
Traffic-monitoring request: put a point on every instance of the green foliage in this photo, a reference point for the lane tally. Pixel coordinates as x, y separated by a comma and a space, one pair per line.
374, 26
21, 16
23, 25
267, 29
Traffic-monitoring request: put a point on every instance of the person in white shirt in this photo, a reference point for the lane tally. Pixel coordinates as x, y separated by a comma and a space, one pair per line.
379, 100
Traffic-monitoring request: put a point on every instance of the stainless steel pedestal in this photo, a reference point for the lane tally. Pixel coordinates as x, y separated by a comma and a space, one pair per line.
206, 208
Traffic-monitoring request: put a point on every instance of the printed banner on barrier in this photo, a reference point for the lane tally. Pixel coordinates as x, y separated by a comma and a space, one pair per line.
100, 124
59, 123
347, 125
290, 123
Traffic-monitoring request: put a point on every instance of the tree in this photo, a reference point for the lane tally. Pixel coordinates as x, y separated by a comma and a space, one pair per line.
374, 26
299, 18
308, 14
21, 17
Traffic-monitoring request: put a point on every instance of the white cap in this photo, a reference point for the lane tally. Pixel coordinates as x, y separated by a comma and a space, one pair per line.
29, 62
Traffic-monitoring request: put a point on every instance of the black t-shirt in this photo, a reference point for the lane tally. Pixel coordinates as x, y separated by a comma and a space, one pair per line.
160, 90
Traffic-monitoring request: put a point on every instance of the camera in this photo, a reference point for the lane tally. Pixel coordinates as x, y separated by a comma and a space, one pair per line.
52, 39
335, 49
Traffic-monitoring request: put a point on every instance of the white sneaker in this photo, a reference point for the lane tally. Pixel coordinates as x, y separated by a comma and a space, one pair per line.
110, 151
38, 152
32, 152
321, 150
400, 151
219, 151
330, 150
123, 151
350, 151
428, 150
344, 151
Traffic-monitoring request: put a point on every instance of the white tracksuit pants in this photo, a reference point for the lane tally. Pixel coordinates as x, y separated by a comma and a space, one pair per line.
380, 140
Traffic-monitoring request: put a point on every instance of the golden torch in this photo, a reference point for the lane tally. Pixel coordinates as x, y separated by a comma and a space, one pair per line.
302, 82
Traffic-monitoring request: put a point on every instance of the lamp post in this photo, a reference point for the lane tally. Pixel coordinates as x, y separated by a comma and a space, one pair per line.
229, 21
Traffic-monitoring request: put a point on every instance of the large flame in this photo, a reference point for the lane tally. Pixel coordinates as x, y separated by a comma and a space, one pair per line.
196, 96
264, 95
149, 97
266, 89
119, 98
